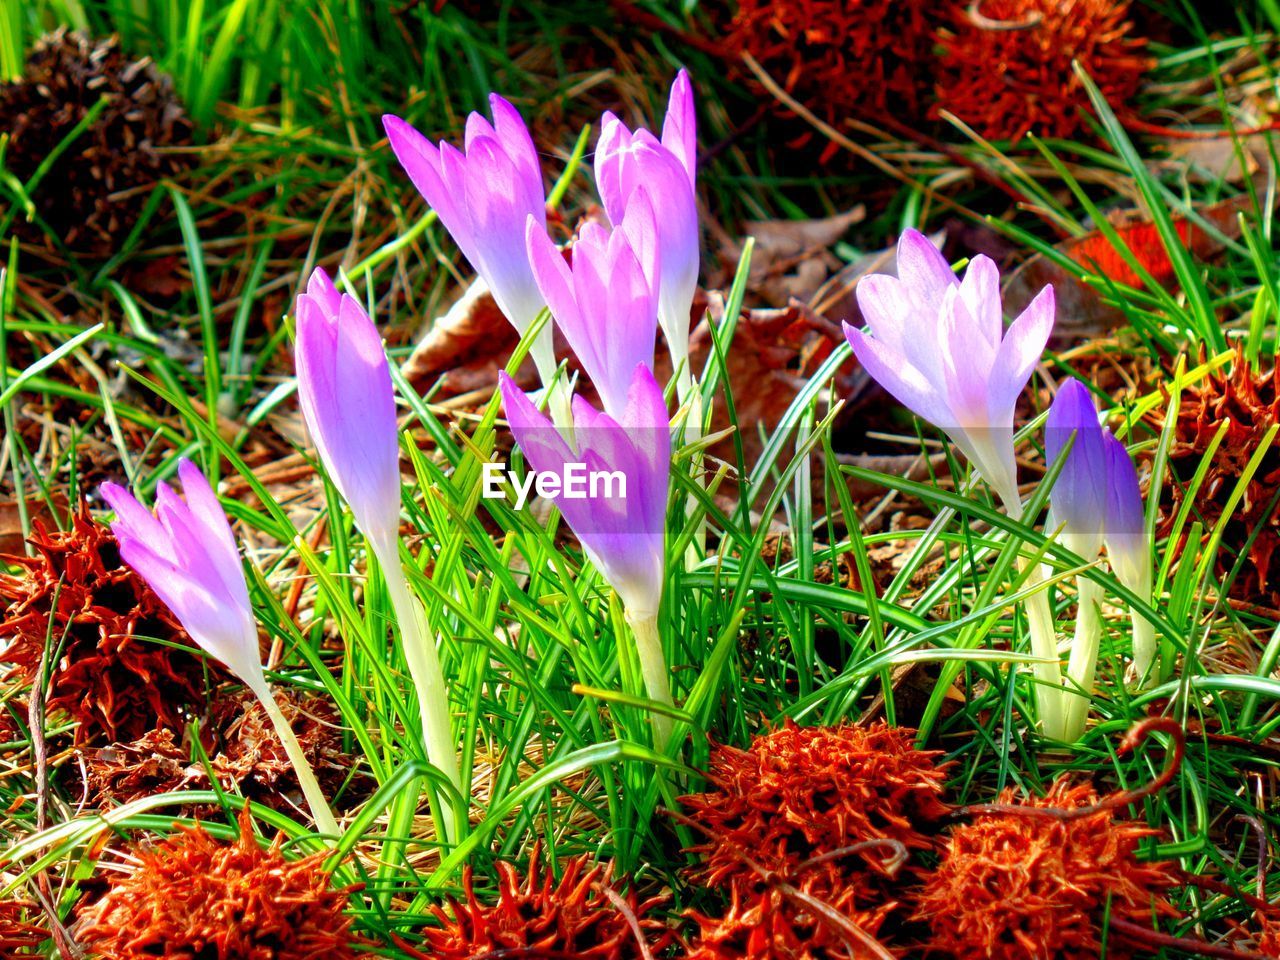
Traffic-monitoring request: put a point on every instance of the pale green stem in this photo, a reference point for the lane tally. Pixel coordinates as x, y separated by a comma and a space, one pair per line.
1044, 640
1144, 649
1083, 663
559, 400
424, 670
653, 669
693, 433
326, 823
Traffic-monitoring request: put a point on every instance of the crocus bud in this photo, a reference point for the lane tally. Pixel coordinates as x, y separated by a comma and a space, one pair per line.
606, 305
188, 556
622, 527
483, 196
626, 161
1125, 531
348, 403
940, 348
1079, 496
1129, 551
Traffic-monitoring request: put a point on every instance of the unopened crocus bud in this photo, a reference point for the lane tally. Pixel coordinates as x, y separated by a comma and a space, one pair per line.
348, 403
187, 554
1129, 550
626, 161
483, 196
939, 346
1079, 495
606, 304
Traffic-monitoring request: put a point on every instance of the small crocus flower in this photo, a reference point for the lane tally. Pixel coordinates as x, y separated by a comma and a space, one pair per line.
187, 554
1079, 495
622, 529
939, 346
626, 161
348, 403
483, 195
606, 304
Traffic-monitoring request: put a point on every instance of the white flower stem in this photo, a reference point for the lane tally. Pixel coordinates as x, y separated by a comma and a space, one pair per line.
653, 669
1044, 641
326, 823
424, 670
692, 433
1083, 663
1144, 649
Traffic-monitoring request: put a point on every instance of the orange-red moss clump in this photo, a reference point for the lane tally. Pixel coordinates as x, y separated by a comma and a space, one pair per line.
78, 595
193, 896
579, 915
840, 58
1015, 885
806, 830
1005, 66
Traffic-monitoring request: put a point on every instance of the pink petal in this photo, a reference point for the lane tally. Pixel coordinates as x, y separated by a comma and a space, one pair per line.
980, 291
903, 381
922, 268
1020, 351
680, 126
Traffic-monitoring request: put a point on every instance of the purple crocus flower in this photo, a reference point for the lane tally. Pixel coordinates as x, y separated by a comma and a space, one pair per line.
606, 305
622, 528
348, 403
940, 347
188, 556
626, 161
1079, 496
483, 196
186, 553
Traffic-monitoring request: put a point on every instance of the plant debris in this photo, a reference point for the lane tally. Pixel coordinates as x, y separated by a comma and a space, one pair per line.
1012, 885
77, 594
97, 187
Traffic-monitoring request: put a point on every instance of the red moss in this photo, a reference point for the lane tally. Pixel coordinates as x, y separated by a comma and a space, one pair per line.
540, 917
801, 792
1005, 67
76, 593
840, 58
1250, 403
1014, 886
21, 930
795, 923
192, 897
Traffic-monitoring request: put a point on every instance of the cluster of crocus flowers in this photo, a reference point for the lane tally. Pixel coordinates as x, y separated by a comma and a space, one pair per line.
939, 346
621, 283
1096, 500
348, 402
187, 554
